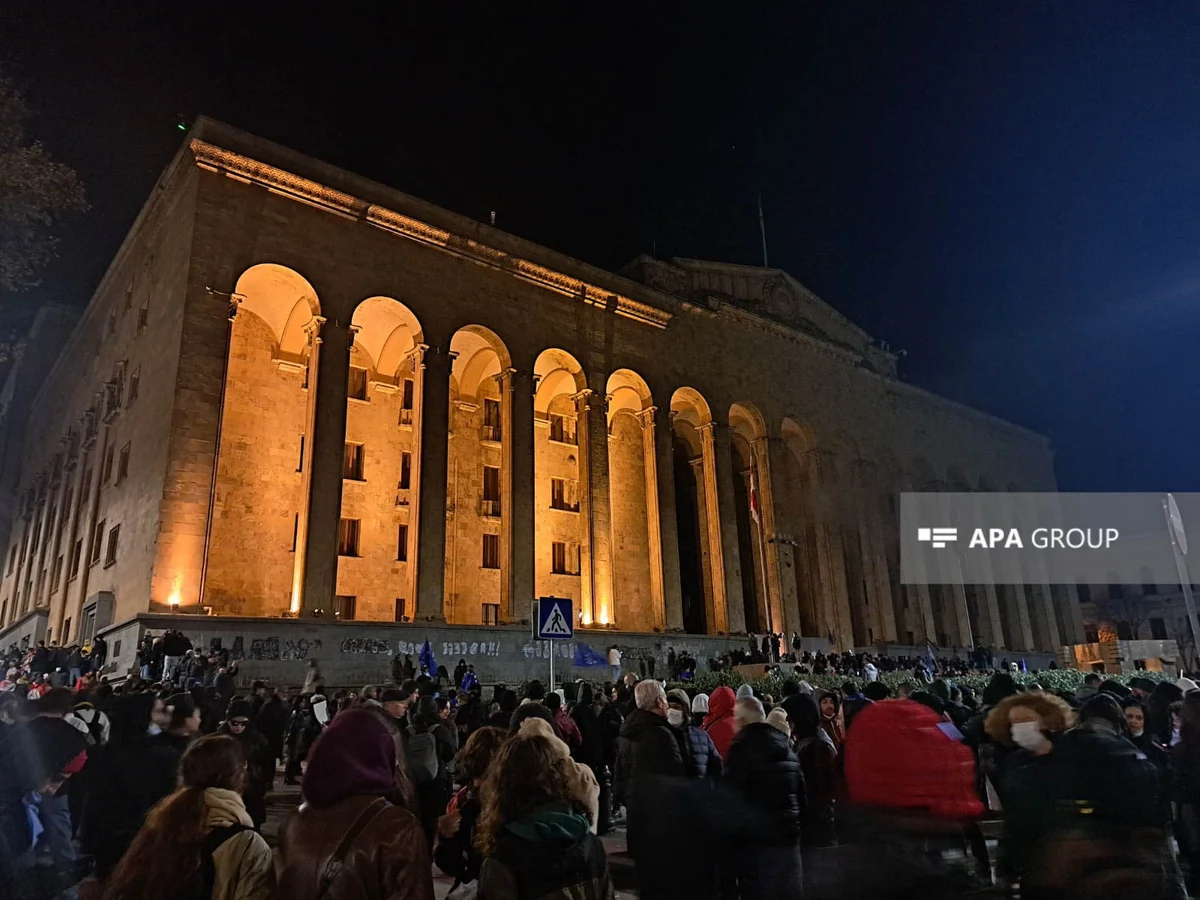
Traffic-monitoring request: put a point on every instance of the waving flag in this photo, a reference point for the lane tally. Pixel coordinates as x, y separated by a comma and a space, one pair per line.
426, 659
755, 511
587, 658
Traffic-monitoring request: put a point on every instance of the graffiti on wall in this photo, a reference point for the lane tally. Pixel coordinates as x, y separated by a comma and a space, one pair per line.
466, 649
264, 648
299, 649
366, 645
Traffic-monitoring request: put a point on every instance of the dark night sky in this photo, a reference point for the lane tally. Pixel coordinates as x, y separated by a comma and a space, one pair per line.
1009, 191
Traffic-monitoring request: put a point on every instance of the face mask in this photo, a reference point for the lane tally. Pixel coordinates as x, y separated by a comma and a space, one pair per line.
1138, 733
675, 717
153, 730
1028, 735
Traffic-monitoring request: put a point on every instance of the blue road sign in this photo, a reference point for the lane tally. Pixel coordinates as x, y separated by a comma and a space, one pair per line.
554, 621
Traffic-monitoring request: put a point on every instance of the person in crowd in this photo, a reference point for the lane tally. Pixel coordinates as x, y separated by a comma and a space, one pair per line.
699, 709
302, 730
762, 768
830, 705
564, 725
1158, 712
460, 672
1135, 725
1087, 793
854, 701
719, 722
591, 750
505, 705
1185, 777
648, 751
126, 777
456, 853
271, 721
354, 815
259, 757
701, 759
314, 682
818, 757
199, 842
183, 724
431, 748
534, 834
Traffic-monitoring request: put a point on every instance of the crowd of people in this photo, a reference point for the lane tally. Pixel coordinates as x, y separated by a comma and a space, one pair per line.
158, 788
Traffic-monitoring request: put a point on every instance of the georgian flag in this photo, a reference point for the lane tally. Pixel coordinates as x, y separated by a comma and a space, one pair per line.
755, 512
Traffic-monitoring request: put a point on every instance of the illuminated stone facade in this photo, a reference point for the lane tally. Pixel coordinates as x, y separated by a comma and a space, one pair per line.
298, 393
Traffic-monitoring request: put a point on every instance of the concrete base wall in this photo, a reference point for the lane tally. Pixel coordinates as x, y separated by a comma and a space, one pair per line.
351, 654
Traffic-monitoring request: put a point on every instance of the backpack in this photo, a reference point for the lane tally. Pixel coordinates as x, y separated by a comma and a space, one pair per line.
212, 841
422, 757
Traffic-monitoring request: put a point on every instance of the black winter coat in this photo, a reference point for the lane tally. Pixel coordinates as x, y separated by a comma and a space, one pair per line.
762, 767
590, 751
647, 748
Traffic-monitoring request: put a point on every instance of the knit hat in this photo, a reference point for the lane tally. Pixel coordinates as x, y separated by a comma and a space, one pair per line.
356, 754
1187, 685
700, 704
777, 718
239, 709
745, 691
679, 696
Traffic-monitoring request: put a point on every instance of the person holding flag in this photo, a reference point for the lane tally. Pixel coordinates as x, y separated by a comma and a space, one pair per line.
427, 661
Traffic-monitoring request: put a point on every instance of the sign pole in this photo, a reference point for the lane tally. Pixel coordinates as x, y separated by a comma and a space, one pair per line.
550, 647
1179, 547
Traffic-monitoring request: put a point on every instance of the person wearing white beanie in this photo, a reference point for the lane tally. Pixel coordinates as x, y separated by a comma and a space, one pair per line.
745, 691
777, 718
1187, 685
699, 709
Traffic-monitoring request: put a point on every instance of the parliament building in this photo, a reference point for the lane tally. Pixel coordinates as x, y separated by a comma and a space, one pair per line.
299, 394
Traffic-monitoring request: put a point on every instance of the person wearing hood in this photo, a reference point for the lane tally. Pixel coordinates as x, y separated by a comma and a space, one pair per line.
830, 705
431, 746
818, 758
701, 759
719, 722
699, 709
762, 768
533, 833
301, 731
353, 836
199, 840
260, 759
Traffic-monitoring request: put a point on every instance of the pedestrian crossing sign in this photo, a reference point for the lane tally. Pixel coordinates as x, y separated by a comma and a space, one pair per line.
554, 619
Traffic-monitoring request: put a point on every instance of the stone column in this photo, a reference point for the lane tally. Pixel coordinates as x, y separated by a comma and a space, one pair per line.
1068, 597
707, 570
434, 441
416, 366
1043, 609
781, 546
73, 474
827, 544
665, 588
517, 530
594, 508
328, 440
874, 555
722, 529
311, 375
762, 480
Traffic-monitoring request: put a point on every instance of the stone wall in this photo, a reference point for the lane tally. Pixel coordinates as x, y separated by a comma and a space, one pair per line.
351, 654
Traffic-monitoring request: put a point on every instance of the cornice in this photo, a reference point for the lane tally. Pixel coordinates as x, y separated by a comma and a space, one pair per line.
242, 168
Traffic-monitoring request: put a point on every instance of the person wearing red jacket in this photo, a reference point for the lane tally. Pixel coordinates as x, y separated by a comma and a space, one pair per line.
719, 722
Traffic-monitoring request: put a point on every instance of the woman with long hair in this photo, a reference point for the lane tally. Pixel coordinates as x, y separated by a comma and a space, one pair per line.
455, 852
533, 832
354, 835
199, 842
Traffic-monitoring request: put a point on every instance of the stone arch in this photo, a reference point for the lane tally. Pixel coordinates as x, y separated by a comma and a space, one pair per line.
265, 422
381, 466
283, 299
633, 501
800, 475
387, 331
560, 511
478, 478
696, 515
747, 426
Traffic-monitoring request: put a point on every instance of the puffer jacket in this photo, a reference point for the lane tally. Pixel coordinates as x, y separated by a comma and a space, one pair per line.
719, 721
647, 748
242, 865
389, 858
762, 767
701, 758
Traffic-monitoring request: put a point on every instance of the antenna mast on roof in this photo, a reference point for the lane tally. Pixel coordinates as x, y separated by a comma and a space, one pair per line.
762, 230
